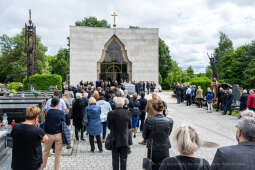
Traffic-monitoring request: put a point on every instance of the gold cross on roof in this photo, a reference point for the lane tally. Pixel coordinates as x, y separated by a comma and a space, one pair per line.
114, 19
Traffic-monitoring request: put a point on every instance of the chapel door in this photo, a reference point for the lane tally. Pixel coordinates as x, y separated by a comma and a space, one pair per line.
113, 65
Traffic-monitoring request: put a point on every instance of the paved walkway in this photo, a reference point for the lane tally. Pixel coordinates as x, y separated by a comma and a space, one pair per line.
213, 127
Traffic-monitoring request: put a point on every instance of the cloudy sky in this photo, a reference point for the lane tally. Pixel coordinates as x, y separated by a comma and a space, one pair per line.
189, 27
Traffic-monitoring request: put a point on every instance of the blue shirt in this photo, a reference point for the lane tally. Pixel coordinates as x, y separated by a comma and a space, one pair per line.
53, 122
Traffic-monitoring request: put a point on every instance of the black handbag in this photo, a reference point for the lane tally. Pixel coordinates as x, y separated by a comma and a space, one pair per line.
85, 120
147, 162
108, 142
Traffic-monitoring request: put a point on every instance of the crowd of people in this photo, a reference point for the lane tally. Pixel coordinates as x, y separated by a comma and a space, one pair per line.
140, 86
223, 100
95, 108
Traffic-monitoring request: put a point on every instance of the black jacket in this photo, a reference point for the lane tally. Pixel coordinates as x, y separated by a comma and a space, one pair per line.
157, 130
220, 96
243, 101
119, 122
143, 103
236, 157
77, 113
230, 98
134, 105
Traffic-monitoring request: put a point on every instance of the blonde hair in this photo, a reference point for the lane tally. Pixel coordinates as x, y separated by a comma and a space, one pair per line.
32, 112
96, 95
92, 100
188, 140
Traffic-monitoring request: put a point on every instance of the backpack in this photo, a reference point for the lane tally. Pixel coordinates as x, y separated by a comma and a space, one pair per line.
209, 96
134, 107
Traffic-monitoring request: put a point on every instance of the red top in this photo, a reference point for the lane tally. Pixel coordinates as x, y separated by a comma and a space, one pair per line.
251, 101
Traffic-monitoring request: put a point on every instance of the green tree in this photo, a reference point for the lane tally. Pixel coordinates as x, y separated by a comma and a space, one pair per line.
190, 72
249, 78
133, 27
224, 45
92, 22
13, 60
165, 61
59, 64
208, 72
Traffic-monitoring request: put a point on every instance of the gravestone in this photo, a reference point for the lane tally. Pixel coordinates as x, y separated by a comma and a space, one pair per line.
236, 94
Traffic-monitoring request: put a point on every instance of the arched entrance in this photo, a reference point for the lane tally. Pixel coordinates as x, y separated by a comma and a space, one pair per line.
114, 63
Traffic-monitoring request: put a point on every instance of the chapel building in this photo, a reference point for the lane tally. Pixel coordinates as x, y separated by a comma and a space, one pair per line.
122, 54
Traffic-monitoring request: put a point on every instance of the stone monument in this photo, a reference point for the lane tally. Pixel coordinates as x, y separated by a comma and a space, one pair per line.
30, 34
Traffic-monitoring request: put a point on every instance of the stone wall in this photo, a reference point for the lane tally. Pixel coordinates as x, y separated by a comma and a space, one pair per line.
87, 44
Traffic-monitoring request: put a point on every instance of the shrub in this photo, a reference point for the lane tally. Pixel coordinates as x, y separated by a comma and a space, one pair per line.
165, 85
43, 81
203, 82
14, 86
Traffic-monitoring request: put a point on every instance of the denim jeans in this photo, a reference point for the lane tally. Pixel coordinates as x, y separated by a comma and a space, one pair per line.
148, 91
104, 125
210, 106
226, 108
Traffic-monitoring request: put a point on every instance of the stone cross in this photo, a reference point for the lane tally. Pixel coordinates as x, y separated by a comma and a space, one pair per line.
114, 19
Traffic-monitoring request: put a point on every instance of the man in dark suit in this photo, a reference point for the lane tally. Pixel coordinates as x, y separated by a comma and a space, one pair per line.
241, 156
220, 99
228, 105
178, 93
119, 122
243, 100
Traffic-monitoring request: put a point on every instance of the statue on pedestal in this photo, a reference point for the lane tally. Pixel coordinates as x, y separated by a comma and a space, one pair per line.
215, 77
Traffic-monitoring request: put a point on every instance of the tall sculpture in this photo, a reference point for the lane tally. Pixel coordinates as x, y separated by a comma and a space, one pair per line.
215, 77
30, 46
213, 62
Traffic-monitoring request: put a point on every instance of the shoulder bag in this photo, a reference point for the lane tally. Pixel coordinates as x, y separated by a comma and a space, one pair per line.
108, 142
147, 162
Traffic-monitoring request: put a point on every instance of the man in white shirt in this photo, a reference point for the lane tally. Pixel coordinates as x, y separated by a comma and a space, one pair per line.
188, 95
61, 106
105, 109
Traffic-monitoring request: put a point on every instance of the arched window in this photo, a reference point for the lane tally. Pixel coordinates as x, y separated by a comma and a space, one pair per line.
114, 64
113, 53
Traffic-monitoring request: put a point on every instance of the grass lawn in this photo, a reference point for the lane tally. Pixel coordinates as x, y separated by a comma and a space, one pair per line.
234, 113
167, 90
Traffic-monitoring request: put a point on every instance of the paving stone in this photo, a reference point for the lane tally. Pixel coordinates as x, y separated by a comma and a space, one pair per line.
212, 127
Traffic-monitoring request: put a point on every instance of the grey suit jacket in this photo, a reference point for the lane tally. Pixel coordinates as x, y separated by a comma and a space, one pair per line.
236, 157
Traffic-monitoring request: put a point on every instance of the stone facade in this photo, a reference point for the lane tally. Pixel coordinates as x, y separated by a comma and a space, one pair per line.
87, 46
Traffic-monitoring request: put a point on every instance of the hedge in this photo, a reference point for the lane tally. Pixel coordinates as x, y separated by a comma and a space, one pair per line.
14, 86
43, 81
203, 82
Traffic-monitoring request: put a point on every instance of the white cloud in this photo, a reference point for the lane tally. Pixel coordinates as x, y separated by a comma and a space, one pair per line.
190, 28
